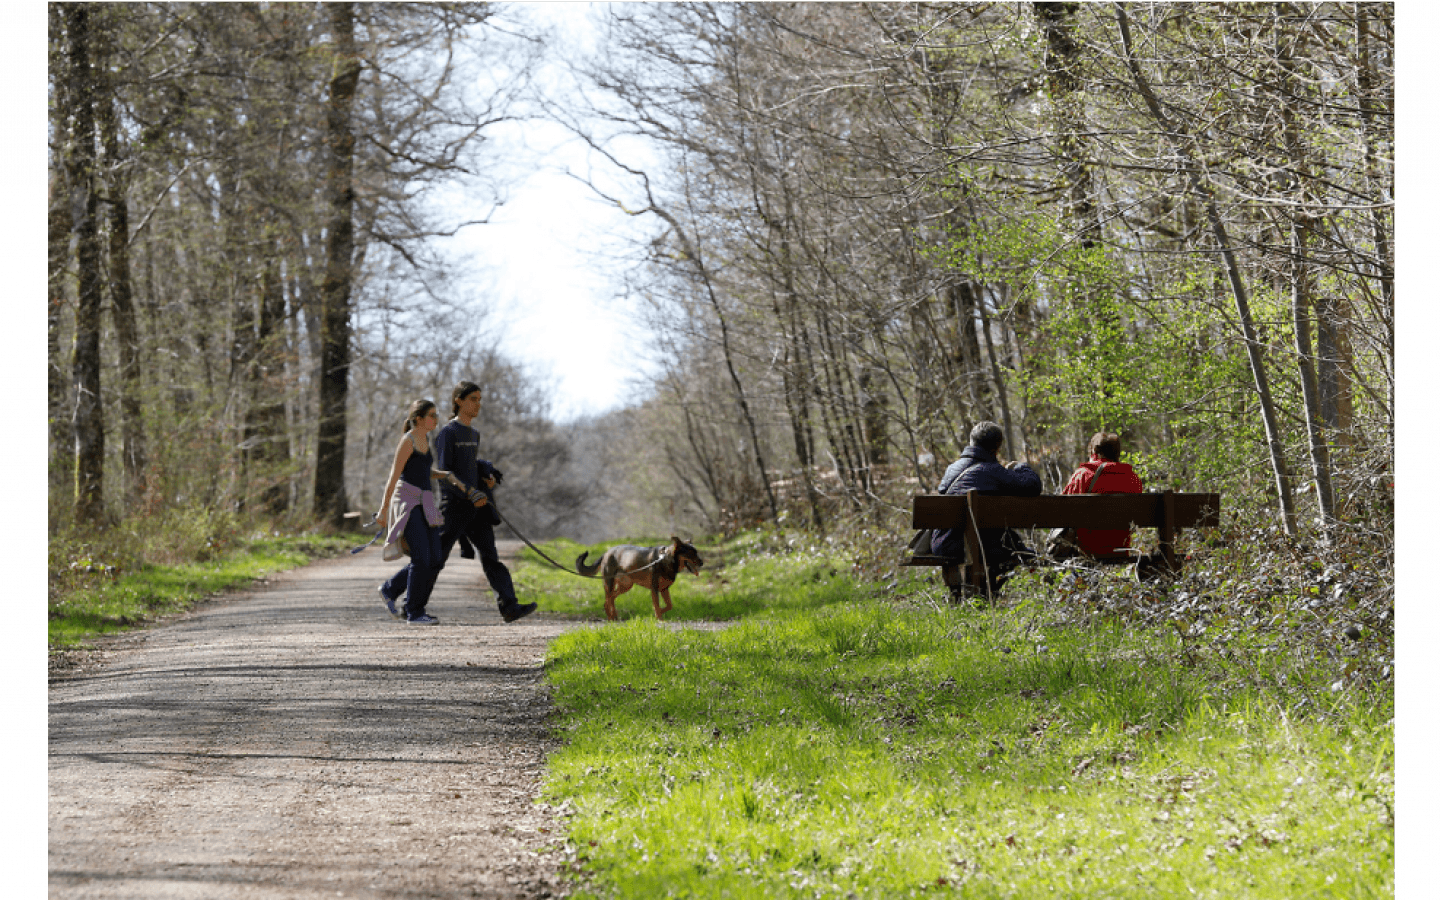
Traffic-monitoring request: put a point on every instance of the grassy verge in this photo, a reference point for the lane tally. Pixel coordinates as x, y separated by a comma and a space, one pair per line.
836, 745
97, 590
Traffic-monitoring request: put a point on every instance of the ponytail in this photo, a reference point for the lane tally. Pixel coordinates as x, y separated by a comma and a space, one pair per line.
417, 410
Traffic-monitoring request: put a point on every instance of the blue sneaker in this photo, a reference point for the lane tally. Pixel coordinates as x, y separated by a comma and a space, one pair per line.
389, 604
423, 619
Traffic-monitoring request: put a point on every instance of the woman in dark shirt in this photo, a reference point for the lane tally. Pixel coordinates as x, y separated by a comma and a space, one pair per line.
409, 509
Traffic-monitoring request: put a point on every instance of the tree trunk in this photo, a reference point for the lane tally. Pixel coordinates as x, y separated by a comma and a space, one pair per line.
835, 411
1062, 59
872, 410
1302, 293
797, 376
62, 434
1300, 307
1333, 380
334, 374
244, 375
266, 423
968, 366
693, 253
740, 397
1076, 179
80, 160
996, 375
1184, 145
122, 313
240, 294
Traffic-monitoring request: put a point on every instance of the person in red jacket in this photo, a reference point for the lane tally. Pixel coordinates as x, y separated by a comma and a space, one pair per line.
1104, 473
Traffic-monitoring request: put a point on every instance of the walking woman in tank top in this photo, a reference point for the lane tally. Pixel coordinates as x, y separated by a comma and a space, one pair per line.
409, 510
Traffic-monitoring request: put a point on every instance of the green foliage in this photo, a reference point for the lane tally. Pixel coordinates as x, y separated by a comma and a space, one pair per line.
110, 580
1167, 376
1246, 592
892, 749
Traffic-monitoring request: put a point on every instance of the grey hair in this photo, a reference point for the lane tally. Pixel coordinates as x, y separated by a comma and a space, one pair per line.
987, 436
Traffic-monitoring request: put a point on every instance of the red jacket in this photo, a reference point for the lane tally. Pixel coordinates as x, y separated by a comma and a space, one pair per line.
1117, 478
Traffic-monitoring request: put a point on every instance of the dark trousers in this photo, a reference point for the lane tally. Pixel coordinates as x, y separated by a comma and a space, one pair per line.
1003, 549
426, 559
463, 518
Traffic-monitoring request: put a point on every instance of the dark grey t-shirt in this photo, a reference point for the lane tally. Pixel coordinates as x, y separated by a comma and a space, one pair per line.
457, 450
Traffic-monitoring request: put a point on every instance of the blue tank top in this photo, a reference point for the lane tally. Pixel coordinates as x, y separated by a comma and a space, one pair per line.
417, 468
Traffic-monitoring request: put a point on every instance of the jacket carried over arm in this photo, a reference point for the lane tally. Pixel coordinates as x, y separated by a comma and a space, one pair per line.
1115, 478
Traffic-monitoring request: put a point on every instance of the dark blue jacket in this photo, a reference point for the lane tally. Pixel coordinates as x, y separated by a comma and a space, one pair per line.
977, 469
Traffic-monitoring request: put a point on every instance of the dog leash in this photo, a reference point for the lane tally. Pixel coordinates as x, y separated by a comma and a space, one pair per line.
518, 533
373, 520
557, 565
542, 553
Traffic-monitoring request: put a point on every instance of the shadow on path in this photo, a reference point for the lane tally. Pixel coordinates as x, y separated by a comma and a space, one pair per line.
295, 741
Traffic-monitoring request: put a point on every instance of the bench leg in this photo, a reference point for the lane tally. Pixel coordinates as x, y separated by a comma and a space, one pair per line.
1168, 530
975, 575
1150, 566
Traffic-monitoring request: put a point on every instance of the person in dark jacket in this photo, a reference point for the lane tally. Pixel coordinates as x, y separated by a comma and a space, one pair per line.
1104, 473
979, 469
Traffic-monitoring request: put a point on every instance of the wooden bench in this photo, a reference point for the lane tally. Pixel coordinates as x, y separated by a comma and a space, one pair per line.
1167, 512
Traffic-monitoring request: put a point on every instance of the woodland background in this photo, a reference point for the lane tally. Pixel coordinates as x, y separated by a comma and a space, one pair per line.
876, 224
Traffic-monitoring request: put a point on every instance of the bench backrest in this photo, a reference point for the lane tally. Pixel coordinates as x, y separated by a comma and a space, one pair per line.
1068, 510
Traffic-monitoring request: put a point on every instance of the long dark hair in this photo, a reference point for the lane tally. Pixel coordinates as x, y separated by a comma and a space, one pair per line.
417, 410
463, 389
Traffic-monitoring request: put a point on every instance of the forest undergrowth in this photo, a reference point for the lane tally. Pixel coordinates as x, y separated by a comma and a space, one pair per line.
1226, 734
104, 580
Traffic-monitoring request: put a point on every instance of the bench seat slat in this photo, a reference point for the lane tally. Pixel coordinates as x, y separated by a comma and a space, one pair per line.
927, 559
1067, 510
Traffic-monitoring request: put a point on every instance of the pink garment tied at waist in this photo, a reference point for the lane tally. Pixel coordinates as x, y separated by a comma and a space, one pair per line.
407, 497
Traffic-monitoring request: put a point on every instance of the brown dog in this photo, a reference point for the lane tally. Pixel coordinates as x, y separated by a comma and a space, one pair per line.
656, 568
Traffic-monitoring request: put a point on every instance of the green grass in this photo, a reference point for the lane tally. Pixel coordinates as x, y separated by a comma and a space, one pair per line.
838, 745
89, 597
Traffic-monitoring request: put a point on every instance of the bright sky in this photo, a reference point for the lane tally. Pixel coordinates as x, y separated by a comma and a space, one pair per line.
541, 262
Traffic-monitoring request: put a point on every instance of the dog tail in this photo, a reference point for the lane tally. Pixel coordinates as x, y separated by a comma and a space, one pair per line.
583, 568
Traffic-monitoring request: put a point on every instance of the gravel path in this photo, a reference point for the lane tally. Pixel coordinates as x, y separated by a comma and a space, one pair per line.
294, 741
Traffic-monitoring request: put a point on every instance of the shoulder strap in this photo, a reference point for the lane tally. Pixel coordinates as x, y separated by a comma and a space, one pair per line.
945, 486
1090, 489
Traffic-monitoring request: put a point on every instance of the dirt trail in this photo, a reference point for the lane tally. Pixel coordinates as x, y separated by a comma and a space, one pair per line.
295, 742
